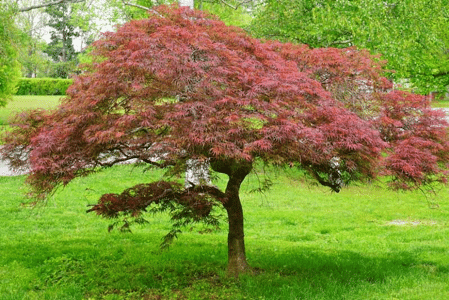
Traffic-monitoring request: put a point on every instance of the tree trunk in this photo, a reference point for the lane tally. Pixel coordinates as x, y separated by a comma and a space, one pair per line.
236, 244
237, 263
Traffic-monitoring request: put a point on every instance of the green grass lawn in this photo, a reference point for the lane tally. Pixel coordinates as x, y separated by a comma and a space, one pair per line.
20, 103
306, 243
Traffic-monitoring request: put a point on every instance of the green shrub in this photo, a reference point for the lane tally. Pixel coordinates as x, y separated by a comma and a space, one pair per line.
43, 86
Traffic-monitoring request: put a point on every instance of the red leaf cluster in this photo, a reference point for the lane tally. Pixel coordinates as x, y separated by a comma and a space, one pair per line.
134, 200
418, 138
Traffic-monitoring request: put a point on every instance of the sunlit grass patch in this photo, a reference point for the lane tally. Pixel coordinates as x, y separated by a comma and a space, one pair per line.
20, 103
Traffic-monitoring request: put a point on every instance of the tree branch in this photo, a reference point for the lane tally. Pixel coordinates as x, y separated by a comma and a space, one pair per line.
236, 6
440, 74
136, 5
23, 9
211, 190
143, 7
228, 4
335, 187
340, 42
158, 198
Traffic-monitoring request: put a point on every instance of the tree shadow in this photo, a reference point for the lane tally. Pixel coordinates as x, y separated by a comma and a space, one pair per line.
313, 273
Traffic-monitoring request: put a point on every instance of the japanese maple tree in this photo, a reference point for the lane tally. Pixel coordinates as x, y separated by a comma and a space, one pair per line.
181, 86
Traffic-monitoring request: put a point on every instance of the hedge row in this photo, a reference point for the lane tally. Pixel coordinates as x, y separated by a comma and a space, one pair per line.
43, 86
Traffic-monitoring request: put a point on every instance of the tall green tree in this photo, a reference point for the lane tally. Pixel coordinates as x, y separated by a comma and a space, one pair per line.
411, 34
33, 60
63, 32
35, 63
9, 49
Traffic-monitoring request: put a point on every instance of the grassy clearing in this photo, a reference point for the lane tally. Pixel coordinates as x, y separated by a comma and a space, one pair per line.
306, 243
20, 103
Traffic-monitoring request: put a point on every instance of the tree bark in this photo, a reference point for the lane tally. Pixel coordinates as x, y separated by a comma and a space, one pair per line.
197, 173
237, 263
237, 172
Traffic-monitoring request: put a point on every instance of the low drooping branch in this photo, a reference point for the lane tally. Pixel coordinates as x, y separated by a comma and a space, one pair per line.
186, 206
136, 199
334, 183
127, 158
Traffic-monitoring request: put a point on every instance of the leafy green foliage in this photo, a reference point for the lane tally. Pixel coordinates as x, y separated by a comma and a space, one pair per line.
43, 86
237, 15
412, 35
35, 63
9, 48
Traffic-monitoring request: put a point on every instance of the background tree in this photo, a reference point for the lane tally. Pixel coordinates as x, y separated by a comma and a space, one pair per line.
87, 18
68, 20
61, 48
411, 35
82, 20
182, 85
28, 16
10, 39
35, 63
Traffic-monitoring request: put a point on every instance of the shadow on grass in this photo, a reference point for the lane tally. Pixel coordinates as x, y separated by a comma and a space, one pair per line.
319, 274
117, 265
